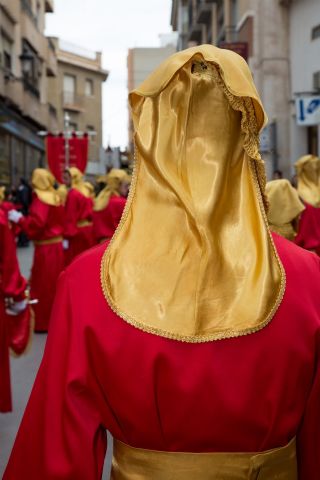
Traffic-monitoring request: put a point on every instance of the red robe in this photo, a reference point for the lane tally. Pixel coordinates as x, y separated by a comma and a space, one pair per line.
78, 210
13, 285
44, 222
106, 221
244, 394
308, 236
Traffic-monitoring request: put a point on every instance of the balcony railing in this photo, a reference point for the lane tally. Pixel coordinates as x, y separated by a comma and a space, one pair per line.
72, 101
30, 87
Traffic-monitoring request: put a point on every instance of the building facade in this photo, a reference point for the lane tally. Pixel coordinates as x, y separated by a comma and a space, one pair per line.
304, 44
280, 39
27, 62
141, 62
77, 91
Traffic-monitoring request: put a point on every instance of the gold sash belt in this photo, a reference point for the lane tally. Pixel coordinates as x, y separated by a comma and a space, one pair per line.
138, 464
50, 241
84, 223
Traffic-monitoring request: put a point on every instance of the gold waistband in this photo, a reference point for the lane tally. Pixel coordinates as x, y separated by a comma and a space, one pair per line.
50, 241
130, 463
84, 223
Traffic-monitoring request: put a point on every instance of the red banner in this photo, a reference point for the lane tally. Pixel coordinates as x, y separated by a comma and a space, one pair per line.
56, 154
242, 48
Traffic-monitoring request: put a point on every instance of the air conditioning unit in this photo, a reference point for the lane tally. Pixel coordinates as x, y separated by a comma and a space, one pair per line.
316, 81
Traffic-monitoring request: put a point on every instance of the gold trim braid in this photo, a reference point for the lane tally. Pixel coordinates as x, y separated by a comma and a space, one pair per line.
131, 463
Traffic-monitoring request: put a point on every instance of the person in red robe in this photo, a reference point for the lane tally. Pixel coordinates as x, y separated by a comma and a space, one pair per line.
78, 231
308, 174
284, 209
44, 225
12, 303
194, 336
109, 205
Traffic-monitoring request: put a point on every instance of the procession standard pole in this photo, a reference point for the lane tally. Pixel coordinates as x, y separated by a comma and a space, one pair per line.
66, 140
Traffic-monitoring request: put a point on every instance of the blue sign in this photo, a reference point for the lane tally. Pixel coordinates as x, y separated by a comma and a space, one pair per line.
308, 111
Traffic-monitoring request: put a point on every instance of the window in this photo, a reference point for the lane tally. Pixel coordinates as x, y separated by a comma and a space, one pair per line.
7, 53
69, 88
315, 32
89, 88
31, 68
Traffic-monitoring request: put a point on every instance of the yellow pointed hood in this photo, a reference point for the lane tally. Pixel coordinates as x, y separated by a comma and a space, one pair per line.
43, 185
308, 172
193, 258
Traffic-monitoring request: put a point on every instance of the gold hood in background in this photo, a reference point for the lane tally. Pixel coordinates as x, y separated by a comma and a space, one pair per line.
43, 185
284, 207
308, 172
193, 258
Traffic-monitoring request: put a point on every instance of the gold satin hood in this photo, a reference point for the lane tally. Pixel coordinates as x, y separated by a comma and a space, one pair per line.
284, 207
308, 172
43, 185
113, 180
2, 194
193, 258
78, 183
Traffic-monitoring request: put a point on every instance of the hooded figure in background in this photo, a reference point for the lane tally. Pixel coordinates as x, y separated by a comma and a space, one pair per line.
44, 225
284, 209
194, 336
14, 314
79, 205
109, 204
308, 173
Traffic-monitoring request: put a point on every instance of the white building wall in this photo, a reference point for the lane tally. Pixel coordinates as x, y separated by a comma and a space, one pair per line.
305, 61
271, 70
145, 60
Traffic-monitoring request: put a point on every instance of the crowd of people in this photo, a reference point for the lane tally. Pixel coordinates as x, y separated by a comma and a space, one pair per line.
62, 222
193, 336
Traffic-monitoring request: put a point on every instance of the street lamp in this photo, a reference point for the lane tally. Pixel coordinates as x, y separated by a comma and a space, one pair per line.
27, 60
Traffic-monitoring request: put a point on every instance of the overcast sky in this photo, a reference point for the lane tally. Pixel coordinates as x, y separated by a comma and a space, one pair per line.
111, 26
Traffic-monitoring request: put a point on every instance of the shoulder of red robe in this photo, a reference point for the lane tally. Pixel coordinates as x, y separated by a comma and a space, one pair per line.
302, 265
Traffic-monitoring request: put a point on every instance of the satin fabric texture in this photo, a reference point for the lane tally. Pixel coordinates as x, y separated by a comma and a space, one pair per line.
197, 197
130, 463
285, 208
246, 394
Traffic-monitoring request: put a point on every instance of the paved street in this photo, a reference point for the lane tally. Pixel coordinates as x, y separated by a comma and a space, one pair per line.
23, 371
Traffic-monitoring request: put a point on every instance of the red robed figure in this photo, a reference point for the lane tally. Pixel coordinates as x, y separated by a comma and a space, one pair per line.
44, 225
12, 285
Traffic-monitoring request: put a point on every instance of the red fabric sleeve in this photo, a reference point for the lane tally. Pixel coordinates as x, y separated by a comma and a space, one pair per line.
67, 438
309, 434
35, 223
71, 215
12, 283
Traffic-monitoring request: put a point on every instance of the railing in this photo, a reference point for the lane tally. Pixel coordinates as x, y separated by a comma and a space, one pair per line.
31, 88
72, 100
